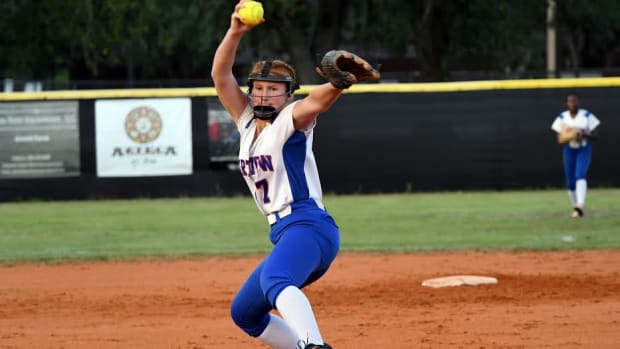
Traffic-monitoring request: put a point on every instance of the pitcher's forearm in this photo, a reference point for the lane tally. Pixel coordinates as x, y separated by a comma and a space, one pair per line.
323, 96
225, 56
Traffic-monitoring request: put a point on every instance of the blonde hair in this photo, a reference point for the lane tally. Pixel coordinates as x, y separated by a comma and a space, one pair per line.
279, 68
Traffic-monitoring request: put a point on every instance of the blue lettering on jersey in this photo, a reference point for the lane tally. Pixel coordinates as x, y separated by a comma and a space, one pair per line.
252, 165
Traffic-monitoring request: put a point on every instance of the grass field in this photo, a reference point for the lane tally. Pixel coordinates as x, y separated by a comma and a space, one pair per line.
126, 229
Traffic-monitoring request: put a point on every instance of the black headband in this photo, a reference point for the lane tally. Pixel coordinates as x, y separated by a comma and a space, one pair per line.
266, 68
264, 76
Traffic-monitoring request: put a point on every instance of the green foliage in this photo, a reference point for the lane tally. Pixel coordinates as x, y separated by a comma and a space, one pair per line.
590, 29
179, 228
504, 38
159, 39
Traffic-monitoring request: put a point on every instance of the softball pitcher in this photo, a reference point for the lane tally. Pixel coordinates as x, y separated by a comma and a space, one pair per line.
575, 129
278, 165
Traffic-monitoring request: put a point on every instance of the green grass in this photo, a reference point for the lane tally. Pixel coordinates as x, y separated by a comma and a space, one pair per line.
179, 228
487, 220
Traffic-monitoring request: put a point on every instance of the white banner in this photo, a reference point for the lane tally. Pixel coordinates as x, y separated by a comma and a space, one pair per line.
143, 137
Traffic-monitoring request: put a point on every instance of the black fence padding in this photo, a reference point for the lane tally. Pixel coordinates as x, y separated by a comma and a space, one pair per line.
494, 140
385, 142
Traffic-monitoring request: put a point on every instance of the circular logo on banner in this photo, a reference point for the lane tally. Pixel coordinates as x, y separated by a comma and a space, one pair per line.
143, 124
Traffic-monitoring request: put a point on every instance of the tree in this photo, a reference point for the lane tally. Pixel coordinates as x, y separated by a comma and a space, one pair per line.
590, 31
132, 40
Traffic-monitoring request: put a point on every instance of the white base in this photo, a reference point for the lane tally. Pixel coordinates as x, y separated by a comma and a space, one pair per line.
459, 280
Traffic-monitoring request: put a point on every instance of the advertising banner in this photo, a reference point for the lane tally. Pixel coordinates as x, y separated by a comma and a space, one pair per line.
143, 137
39, 139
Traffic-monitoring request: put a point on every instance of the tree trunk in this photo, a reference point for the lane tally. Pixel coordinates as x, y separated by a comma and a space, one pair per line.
575, 46
306, 46
431, 44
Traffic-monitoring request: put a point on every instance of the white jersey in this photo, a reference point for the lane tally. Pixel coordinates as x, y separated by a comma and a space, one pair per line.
584, 120
279, 166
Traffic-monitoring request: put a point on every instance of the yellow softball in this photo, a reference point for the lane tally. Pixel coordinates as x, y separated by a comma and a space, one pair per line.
251, 12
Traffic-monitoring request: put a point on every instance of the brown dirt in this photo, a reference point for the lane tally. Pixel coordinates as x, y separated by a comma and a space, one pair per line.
543, 300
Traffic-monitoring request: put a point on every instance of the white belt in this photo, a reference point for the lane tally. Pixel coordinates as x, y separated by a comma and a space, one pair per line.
273, 218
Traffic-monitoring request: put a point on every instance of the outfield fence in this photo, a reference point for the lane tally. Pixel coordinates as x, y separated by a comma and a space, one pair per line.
377, 138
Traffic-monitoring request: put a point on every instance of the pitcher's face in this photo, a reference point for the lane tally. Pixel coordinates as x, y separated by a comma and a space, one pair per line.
270, 93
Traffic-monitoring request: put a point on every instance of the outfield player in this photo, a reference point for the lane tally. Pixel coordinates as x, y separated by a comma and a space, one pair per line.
278, 165
577, 150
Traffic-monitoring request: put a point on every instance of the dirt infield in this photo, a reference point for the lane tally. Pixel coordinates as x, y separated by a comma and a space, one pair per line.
543, 300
